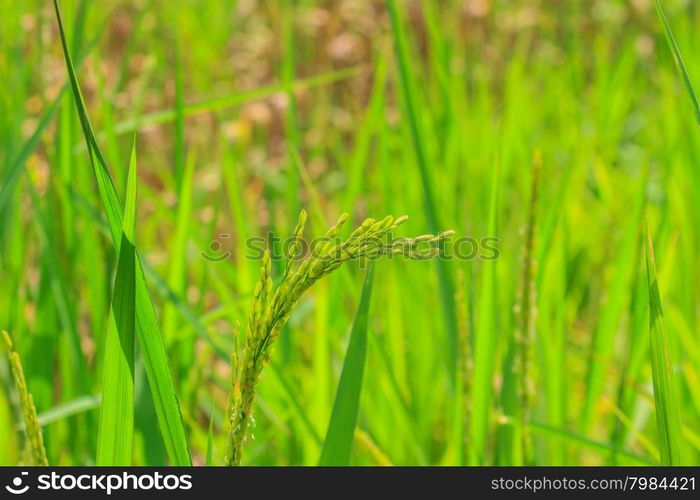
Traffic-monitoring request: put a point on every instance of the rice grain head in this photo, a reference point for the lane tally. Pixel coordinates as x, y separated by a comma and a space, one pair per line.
273, 305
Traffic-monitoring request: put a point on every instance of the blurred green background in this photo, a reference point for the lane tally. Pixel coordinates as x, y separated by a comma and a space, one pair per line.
247, 111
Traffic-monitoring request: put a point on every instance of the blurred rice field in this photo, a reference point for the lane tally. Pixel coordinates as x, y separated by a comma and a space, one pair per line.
453, 112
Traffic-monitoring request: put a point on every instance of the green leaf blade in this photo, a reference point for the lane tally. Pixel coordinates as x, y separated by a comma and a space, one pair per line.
685, 76
147, 330
116, 429
668, 419
341, 428
129, 222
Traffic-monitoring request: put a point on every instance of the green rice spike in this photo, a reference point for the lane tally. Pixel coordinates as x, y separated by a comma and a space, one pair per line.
31, 423
268, 316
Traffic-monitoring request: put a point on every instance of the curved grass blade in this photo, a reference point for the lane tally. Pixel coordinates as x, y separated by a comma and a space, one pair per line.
587, 443
218, 103
116, 430
341, 428
668, 419
74, 407
148, 332
679, 60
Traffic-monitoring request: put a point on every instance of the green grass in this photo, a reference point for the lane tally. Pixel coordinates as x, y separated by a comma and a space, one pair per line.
116, 429
668, 419
337, 446
412, 106
274, 304
485, 346
687, 81
156, 360
246, 113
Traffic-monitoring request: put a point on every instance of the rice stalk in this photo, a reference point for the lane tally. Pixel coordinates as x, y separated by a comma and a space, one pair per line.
271, 307
31, 422
527, 309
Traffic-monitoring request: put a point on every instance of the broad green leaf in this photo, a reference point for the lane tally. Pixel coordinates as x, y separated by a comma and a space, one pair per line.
148, 332
116, 430
341, 428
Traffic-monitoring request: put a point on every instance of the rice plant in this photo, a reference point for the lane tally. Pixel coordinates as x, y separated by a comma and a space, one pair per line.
35, 438
271, 308
150, 167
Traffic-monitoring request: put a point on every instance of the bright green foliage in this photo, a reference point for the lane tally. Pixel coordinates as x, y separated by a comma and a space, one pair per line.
341, 428
153, 349
668, 420
687, 81
533, 346
271, 309
116, 429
